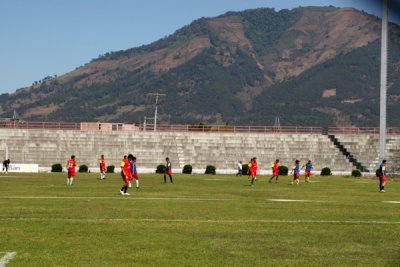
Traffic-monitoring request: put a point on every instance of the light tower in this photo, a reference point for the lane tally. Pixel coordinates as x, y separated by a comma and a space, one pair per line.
384, 56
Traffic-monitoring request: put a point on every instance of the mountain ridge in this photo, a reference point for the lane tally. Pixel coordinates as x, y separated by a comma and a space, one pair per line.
217, 70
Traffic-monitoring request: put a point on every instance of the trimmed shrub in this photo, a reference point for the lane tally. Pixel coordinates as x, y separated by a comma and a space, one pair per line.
56, 167
356, 173
83, 168
161, 168
110, 169
210, 169
326, 172
245, 169
187, 169
283, 170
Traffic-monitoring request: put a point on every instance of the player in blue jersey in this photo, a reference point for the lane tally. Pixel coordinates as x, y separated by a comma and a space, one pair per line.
307, 171
296, 172
168, 171
134, 172
382, 176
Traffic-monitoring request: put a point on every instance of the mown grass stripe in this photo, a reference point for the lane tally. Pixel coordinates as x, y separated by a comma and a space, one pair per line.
121, 197
217, 221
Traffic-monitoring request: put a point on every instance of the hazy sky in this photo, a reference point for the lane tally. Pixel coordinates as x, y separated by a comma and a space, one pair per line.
40, 38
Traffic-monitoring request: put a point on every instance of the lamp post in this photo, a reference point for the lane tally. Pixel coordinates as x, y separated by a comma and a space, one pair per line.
384, 56
155, 112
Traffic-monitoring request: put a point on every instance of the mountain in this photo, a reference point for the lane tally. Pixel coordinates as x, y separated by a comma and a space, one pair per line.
308, 66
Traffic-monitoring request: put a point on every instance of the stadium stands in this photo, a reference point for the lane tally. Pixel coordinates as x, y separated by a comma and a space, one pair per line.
365, 148
223, 150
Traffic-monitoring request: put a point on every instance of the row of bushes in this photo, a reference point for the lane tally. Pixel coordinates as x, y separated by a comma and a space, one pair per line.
210, 169
82, 168
187, 169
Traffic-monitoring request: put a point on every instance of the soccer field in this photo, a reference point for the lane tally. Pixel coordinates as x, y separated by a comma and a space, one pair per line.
200, 220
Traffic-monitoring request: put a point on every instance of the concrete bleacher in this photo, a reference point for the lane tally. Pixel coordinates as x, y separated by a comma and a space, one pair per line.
365, 148
199, 149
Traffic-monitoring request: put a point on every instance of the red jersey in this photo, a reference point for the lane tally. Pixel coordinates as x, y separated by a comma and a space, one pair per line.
102, 164
71, 163
275, 167
254, 165
253, 168
126, 170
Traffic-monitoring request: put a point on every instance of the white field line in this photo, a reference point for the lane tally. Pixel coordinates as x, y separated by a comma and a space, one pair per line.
9, 256
298, 200
391, 202
214, 221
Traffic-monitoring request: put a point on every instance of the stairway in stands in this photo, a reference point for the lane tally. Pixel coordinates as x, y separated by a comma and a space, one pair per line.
348, 155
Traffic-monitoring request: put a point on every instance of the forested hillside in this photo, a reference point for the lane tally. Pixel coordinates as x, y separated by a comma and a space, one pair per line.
307, 66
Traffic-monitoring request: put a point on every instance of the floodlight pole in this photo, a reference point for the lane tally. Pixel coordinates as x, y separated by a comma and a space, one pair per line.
384, 56
155, 112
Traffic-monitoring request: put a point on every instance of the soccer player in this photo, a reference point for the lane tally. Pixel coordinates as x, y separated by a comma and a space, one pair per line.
307, 171
249, 167
71, 164
102, 167
296, 172
275, 171
239, 167
253, 170
382, 176
134, 172
6, 164
168, 171
126, 175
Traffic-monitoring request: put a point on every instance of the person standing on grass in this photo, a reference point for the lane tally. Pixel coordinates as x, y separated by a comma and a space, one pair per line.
71, 164
296, 172
253, 170
239, 167
6, 164
102, 167
168, 171
126, 176
134, 172
382, 176
275, 171
248, 168
307, 171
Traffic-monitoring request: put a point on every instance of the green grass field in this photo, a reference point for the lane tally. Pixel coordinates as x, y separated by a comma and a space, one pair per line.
200, 220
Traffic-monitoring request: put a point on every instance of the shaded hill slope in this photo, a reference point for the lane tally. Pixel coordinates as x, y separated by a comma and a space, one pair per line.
309, 66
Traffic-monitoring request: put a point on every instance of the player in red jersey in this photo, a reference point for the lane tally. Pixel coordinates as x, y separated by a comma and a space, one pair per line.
168, 171
253, 170
102, 163
126, 175
275, 171
71, 164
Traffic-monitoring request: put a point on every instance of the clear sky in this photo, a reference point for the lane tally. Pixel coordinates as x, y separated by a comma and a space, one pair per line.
40, 38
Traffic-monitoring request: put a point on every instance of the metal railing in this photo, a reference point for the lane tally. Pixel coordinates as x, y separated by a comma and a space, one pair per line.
230, 129
97, 126
362, 130
15, 124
